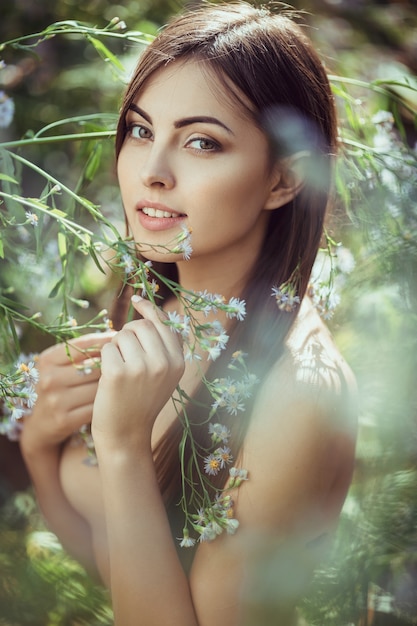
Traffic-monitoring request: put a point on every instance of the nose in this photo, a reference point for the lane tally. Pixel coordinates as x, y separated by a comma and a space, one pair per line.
156, 170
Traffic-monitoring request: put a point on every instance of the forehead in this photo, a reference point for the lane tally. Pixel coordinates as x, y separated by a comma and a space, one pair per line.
191, 84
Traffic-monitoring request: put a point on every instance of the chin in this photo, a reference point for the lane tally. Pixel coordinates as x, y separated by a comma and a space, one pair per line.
158, 257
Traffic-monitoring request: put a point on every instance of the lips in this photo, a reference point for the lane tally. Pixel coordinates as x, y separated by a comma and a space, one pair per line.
155, 216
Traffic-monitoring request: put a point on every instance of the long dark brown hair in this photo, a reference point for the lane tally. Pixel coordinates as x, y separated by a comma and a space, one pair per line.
266, 62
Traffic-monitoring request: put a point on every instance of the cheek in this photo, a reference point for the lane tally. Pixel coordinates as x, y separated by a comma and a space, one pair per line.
243, 187
228, 182
121, 171
127, 168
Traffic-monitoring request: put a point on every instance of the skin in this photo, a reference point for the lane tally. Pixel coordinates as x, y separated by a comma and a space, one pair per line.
300, 445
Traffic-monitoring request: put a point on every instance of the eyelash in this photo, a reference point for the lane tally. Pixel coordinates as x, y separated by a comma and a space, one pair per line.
215, 147
131, 127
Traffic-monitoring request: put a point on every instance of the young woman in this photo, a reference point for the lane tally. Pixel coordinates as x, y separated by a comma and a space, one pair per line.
227, 130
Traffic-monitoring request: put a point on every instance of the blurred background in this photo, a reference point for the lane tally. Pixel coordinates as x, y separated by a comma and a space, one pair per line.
370, 49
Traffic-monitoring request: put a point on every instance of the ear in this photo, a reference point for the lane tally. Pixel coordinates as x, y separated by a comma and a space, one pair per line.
287, 179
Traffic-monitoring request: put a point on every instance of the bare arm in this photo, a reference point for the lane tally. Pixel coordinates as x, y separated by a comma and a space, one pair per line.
140, 369
65, 401
300, 469
148, 584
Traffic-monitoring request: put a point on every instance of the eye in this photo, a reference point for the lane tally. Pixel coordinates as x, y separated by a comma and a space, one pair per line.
137, 131
202, 144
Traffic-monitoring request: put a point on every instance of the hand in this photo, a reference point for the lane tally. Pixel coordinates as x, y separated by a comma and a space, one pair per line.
68, 378
140, 367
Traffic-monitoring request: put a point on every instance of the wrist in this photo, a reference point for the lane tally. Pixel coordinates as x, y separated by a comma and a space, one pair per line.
122, 443
33, 447
116, 453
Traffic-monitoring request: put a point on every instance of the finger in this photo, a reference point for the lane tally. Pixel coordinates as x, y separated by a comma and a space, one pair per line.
143, 346
76, 350
65, 379
111, 358
148, 309
81, 396
88, 345
153, 313
150, 342
140, 341
89, 368
84, 396
80, 416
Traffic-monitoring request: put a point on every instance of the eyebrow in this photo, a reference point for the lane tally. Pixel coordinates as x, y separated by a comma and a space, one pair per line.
186, 121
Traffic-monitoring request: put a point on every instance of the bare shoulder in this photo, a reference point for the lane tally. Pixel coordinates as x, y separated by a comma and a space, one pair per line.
300, 445
299, 453
313, 371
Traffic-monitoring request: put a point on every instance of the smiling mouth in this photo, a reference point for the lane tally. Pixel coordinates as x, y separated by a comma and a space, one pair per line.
151, 212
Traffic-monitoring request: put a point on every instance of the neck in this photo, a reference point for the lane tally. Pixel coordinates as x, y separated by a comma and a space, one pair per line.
225, 279
225, 274
222, 280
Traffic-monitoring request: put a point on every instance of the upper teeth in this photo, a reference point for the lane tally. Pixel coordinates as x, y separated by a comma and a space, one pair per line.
157, 212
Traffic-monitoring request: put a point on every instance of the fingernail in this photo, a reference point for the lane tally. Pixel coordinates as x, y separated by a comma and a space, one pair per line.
136, 298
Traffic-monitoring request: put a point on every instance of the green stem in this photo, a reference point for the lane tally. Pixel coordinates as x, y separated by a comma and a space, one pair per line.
75, 28
105, 134
376, 87
79, 119
375, 151
84, 203
56, 331
76, 229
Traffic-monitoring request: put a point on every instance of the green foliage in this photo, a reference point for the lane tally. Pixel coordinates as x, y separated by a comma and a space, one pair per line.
376, 328
39, 584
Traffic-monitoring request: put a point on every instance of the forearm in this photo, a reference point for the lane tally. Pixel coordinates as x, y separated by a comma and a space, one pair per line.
71, 529
148, 583
64, 404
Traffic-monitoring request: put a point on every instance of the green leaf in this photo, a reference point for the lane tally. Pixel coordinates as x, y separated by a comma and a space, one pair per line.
13, 331
93, 162
105, 53
57, 212
9, 304
8, 170
35, 202
62, 245
96, 260
56, 288
9, 179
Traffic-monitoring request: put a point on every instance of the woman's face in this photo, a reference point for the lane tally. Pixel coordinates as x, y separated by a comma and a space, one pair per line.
191, 158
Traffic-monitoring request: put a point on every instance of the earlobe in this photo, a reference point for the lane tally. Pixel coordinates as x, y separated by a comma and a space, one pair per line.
287, 180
